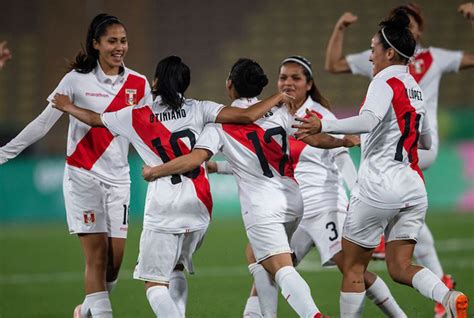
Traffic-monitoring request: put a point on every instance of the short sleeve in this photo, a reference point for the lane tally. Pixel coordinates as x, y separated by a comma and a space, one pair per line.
210, 139
210, 110
65, 87
378, 99
119, 123
359, 63
447, 60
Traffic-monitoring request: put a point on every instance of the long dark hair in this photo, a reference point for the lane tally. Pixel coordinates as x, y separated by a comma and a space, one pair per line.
314, 92
86, 59
173, 78
394, 33
248, 78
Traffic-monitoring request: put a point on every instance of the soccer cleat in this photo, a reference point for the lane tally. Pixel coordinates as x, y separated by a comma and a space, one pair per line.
439, 310
456, 304
77, 311
379, 251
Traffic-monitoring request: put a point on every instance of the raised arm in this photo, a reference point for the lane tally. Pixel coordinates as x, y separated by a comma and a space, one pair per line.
34, 131
63, 103
335, 61
179, 165
467, 10
5, 54
237, 115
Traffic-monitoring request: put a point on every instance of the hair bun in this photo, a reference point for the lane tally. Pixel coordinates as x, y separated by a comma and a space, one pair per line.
398, 20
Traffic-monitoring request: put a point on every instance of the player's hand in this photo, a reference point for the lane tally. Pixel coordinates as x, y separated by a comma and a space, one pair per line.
351, 141
467, 10
5, 54
310, 125
61, 102
147, 173
289, 102
211, 166
346, 19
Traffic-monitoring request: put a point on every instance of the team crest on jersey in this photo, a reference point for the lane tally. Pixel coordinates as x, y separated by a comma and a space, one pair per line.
89, 217
131, 96
418, 66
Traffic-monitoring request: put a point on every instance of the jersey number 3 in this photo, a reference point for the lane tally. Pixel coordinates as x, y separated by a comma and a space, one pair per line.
174, 143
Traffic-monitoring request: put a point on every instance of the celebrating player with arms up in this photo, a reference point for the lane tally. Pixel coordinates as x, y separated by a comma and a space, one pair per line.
177, 209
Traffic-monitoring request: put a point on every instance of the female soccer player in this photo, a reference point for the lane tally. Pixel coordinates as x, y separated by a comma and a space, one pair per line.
390, 195
427, 67
177, 209
96, 181
269, 195
318, 172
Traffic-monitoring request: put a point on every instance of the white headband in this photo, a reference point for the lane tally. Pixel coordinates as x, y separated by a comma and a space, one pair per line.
392, 46
293, 59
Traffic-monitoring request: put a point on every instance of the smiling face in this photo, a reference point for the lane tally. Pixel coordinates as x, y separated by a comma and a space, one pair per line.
380, 57
112, 47
292, 81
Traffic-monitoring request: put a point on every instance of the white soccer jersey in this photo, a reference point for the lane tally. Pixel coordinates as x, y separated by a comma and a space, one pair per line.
427, 68
389, 176
93, 151
259, 156
96, 150
320, 182
175, 204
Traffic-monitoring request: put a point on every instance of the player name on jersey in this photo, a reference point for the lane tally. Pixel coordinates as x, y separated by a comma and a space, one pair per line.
165, 116
413, 94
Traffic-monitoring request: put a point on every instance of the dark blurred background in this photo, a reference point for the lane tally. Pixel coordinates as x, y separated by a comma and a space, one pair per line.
210, 36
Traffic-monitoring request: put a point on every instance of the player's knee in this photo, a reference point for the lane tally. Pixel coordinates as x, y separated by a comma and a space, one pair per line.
397, 269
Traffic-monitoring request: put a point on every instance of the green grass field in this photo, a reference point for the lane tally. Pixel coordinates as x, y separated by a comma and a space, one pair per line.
41, 272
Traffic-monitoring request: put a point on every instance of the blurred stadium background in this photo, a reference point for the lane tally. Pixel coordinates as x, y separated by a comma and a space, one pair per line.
209, 35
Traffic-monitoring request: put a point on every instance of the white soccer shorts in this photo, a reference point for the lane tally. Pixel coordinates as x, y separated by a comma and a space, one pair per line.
323, 230
271, 239
161, 252
93, 206
365, 223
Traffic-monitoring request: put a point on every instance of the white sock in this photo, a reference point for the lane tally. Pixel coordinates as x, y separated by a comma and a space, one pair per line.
425, 252
252, 308
111, 285
380, 295
351, 305
179, 290
296, 291
429, 285
161, 302
267, 290
97, 305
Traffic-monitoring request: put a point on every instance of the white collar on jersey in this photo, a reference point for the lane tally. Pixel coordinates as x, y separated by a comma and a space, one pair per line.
245, 102
107, 79
392, 68
308, 103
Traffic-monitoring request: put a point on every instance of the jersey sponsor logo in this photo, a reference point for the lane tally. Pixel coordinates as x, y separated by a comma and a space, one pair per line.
408, 122
167, 146
89, 217
97, 94
93, 145
165, 116
131, 96
420, 65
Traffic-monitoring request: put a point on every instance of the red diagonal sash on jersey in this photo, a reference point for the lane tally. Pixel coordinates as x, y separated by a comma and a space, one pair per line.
272, 150
421, 65
93, 145
297, 146
402, 107
149, 131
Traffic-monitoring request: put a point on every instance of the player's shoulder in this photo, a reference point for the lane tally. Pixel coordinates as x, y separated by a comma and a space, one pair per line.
321, 110
135, 73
